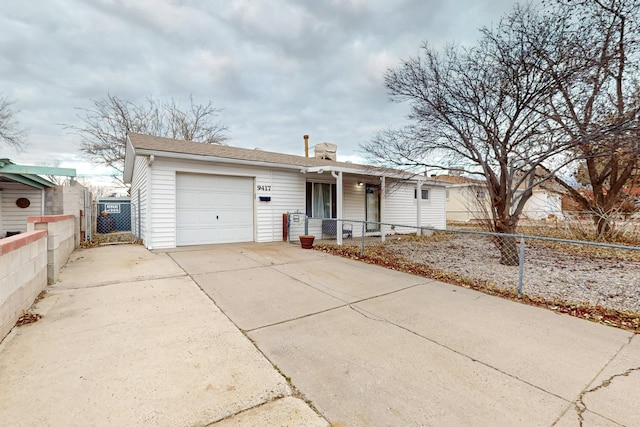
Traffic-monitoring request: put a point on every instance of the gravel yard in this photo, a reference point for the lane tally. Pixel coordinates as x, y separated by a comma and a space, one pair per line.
550, 273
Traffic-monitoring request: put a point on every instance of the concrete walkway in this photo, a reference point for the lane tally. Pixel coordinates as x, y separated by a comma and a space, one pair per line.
129, 338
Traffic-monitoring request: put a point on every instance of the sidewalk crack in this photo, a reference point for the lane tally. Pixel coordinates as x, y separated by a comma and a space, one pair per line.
581, 407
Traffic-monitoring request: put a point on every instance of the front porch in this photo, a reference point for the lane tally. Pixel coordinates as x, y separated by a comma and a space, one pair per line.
344, 204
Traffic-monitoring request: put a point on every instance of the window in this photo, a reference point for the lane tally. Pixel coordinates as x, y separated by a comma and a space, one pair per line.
447, 192
480, 194
425, 194
321, 200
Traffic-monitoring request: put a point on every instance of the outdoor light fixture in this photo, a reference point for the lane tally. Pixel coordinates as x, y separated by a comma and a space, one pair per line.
359, 183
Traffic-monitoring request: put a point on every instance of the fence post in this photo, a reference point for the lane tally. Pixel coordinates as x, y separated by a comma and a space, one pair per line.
521, 267
362, 241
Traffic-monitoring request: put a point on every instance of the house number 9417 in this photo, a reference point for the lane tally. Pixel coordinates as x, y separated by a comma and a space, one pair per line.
264, 188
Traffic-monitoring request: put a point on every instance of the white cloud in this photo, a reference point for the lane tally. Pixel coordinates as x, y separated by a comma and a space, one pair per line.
279, 69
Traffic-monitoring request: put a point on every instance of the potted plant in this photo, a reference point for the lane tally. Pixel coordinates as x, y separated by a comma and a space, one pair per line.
306, 241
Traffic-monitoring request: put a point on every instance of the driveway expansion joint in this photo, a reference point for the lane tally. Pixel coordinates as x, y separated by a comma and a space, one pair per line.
56, 287
362, 312
278, 397
346, 304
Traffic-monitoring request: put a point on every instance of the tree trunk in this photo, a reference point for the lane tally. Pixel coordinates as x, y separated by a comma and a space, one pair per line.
507, 246
603, 225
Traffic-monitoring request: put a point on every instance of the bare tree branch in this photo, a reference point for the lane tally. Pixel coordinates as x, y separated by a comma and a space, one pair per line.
482, 107
11, 133
105, 126
598, 106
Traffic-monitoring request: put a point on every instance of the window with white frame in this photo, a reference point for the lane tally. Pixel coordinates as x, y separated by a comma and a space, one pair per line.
424, 195
321, 200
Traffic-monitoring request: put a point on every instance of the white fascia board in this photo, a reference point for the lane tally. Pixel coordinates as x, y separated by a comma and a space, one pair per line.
185, 156
364, 172
129, 161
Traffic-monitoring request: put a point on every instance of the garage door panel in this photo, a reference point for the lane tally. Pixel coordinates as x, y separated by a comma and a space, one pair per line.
214, 209
187, 198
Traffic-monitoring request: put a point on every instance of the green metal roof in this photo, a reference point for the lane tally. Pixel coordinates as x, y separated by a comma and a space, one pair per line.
29, 175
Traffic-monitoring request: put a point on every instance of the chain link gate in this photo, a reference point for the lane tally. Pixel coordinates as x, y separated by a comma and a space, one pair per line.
113, 215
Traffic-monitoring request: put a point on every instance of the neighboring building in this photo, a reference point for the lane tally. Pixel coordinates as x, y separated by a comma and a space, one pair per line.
189, 193
630, 203
24, 192
468, 200
544, 203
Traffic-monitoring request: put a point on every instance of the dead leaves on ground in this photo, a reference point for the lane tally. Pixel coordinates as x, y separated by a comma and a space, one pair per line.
28, 318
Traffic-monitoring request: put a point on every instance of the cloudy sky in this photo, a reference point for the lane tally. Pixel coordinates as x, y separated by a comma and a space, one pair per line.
278, 68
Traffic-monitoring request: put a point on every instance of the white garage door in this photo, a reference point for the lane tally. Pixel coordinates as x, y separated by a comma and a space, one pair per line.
213, 209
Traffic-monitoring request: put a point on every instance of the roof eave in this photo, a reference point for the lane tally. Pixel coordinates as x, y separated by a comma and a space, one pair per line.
129, 160
30, 180
210, 158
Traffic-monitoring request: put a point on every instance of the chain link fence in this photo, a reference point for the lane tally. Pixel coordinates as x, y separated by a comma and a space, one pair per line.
113, 216
554, 269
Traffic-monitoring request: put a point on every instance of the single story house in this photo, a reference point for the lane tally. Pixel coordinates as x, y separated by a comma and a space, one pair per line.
23, 194
189, 193
467, 200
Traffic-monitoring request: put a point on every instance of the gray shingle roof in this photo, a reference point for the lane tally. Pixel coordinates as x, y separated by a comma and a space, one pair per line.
168, 145
156, 144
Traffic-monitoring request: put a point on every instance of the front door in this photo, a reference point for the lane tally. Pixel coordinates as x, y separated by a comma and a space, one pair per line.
372, 207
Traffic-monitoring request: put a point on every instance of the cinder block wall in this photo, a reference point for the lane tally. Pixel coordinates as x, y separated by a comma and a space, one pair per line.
23, 275
66, 200
61, 240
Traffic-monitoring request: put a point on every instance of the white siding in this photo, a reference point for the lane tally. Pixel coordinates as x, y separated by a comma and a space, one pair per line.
401, 206
542, 204
286, 189
139, 198
287, 195
463, 203
13, 217
162, 206
354, 201
354, 198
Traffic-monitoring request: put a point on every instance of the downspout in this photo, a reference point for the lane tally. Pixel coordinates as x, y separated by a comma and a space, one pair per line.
150, 243
338, 177
383, 195
419, 203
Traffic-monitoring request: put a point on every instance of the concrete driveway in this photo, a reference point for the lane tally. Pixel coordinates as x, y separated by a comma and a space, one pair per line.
374, 347
241, 334
128, 339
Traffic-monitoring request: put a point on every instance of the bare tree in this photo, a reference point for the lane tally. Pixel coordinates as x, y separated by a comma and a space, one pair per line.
105, 126
56, 179
598, 105
480, 109
11, 133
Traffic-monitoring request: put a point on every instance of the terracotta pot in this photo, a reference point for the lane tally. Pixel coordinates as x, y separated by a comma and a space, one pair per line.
307, 241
